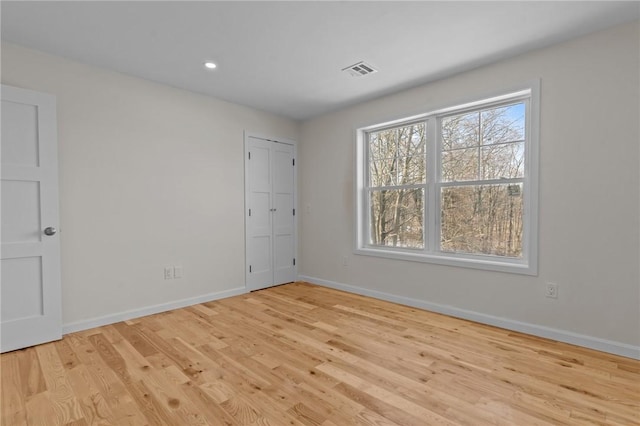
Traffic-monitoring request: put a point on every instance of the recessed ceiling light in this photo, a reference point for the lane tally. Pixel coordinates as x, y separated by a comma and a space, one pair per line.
210, 65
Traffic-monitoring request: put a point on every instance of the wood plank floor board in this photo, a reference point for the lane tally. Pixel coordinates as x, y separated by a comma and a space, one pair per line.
95, 408
302, 355
14, 394
381, 408
441, 402
105, 380
326, 404
66, 354
40, 410
274, 342
66, 406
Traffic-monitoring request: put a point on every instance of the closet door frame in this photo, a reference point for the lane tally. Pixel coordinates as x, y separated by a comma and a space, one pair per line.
294, 145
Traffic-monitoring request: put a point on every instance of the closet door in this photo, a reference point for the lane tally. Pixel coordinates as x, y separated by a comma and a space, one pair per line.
284, 270
258, 228
270, 215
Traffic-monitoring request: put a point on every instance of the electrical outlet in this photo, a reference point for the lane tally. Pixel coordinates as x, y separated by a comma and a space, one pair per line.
177, 272
345, 260
552, 290
168, 272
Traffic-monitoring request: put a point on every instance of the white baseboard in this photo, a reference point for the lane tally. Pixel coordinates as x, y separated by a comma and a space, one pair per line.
583, 340
149, 310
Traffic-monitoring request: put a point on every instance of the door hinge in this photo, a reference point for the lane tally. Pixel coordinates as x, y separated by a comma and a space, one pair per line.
294, 261
294, 212
249, 268
294, 161
249, 155
249, 212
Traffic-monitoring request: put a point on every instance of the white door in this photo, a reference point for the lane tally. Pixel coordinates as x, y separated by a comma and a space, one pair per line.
270, 212
30, 311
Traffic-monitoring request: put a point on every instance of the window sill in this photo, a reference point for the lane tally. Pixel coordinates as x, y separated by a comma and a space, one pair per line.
463, 261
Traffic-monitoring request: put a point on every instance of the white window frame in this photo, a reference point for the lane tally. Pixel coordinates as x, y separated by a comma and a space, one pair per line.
528, 263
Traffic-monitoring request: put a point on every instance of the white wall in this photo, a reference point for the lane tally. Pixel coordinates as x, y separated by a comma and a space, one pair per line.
149, 176
589, 187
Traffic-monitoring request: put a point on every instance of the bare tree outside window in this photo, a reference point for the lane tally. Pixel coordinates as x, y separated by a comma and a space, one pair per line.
486, 146
482, 219
479, 150
397, 174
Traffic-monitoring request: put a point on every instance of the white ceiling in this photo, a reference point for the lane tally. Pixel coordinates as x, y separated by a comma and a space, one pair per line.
286, 57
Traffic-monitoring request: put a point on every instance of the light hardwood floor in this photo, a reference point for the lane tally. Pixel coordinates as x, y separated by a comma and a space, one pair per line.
305, 355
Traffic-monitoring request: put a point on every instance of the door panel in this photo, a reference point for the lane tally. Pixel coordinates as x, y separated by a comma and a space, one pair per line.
260, 214
283, 169
284, 220
20, 211
261, 256
283, 217
30, 287
22, 275
23, 134
270, 175
259, 221
284, 270
260, 166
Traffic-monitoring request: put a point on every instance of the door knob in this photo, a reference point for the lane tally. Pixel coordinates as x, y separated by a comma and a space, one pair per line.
50, 231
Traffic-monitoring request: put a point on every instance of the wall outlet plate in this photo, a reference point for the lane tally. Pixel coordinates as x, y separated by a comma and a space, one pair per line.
177, 272
552, 290
168, 272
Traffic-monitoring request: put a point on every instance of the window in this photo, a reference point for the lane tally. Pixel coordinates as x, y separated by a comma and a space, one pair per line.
457, 186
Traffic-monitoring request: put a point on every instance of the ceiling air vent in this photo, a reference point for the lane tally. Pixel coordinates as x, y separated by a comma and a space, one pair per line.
360, 69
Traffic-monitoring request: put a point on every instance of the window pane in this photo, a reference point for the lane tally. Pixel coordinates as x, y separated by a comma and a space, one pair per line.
382, 145
504, 124
503, 161
383, 171
412, 171
397, 156
396, 218
461, 131
411, 140
460, 165
482, 219
396, 171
